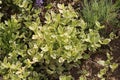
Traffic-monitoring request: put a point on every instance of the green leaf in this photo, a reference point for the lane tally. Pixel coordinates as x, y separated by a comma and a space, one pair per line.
48, 18
101, 62
82, 78
86, 56
45, 49
113, 66
112, 35
83, 25
102, 72
60, 6
105, 41
0, 2
65, 77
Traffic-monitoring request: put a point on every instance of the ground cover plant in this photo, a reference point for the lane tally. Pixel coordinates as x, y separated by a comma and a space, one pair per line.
53, 40
101, 10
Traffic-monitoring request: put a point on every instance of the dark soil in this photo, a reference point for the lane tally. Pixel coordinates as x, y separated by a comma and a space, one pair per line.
115, 44
93, 68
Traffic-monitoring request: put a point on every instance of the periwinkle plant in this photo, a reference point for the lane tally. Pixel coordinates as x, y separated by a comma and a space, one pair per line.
39, 3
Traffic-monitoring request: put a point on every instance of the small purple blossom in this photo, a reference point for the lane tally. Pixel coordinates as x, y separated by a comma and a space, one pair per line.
39, 2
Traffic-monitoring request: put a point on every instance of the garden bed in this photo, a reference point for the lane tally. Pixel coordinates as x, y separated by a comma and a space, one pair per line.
60, 40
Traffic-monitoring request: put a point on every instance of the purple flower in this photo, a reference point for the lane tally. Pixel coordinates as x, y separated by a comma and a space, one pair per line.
39, 3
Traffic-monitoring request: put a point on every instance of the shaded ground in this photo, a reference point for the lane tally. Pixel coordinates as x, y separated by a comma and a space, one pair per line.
93, 68
115, 44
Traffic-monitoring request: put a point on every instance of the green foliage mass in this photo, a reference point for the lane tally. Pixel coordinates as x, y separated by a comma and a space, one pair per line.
103, 11
30, 50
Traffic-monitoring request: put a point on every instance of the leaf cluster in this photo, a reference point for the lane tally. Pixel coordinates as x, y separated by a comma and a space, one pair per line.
30, 50
104, 11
